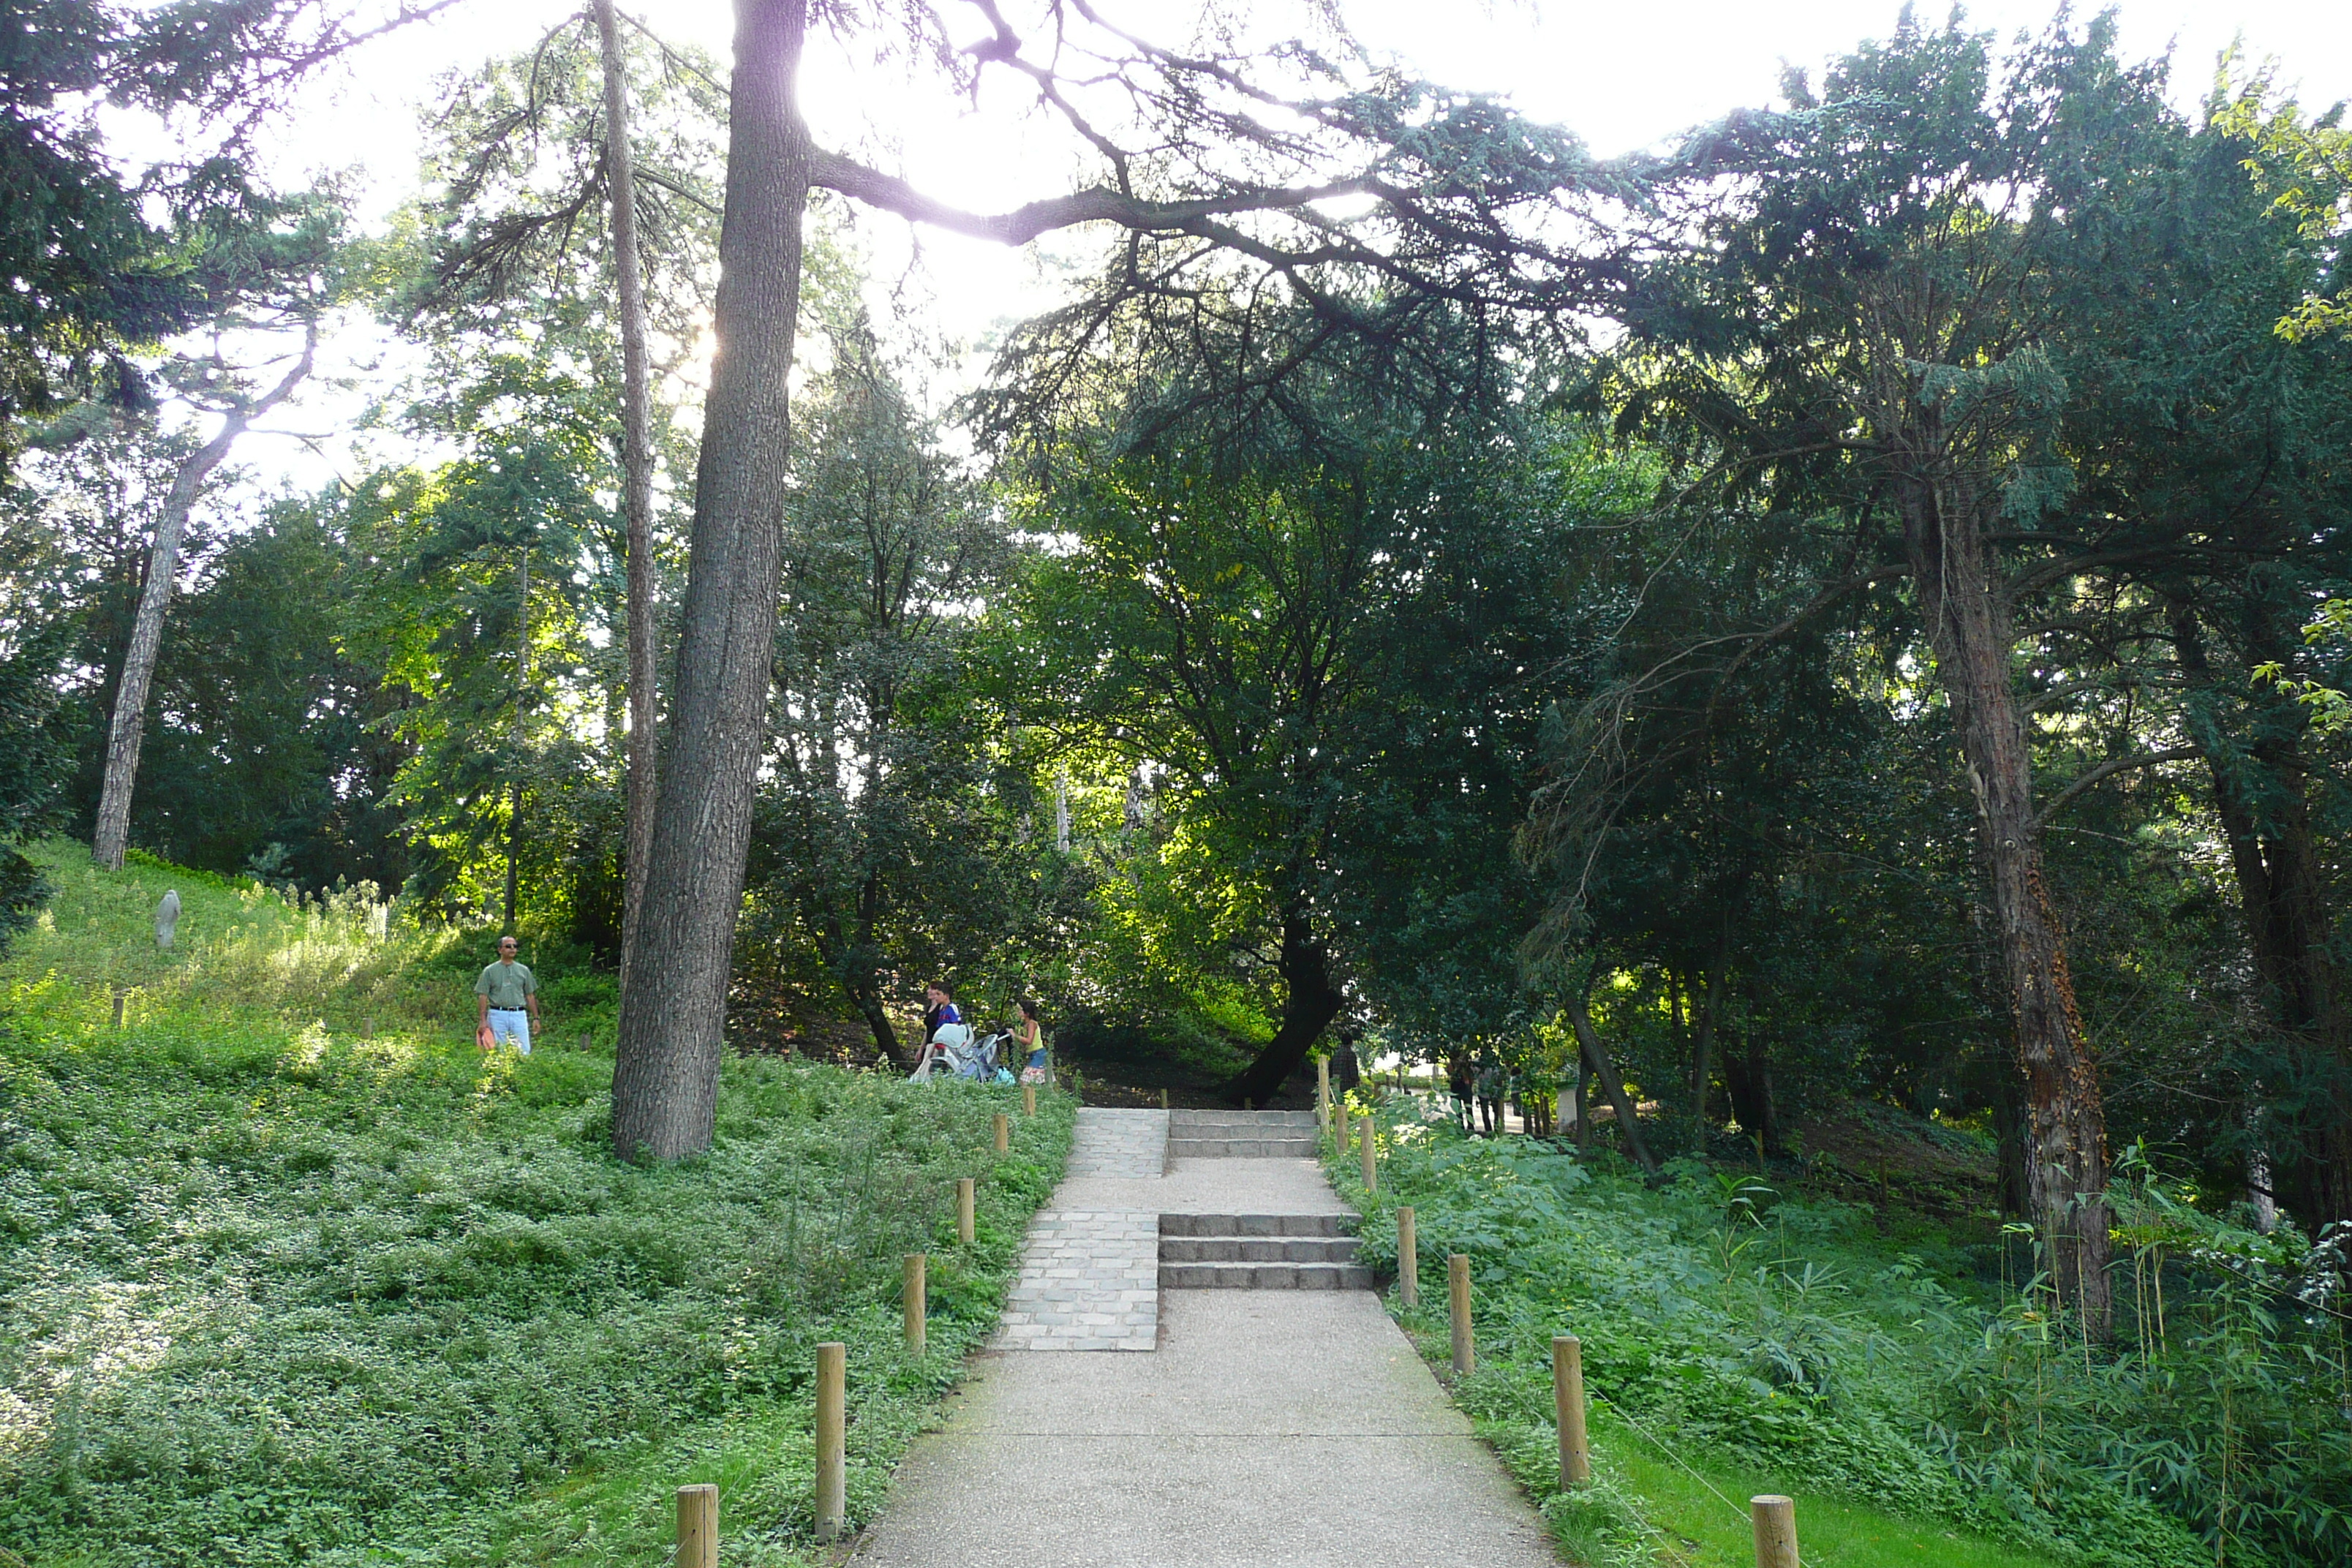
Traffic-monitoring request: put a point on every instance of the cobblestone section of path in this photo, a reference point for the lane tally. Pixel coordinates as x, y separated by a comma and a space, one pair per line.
1118, 1143
1090, 1275
1089, 1282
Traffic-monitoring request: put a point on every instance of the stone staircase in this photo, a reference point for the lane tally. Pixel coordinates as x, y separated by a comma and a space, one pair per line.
1241, 1136
1254, 1251
1259, 1252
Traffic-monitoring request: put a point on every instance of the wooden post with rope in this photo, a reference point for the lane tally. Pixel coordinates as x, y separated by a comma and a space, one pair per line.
1568, 1408
914, 1293
1408, 1261
832, 1439
1458, 1284
1775, 1522
698, 1527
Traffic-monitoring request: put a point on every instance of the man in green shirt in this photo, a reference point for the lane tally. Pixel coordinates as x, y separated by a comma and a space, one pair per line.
507, 1000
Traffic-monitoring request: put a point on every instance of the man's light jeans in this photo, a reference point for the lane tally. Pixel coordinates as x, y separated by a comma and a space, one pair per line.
510, 1023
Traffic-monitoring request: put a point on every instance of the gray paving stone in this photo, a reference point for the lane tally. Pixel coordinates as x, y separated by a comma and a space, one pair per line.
1090, 1276
1118, 1143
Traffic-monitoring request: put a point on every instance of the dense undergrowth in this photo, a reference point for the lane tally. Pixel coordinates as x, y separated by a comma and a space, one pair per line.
271, 1292
1796, 1341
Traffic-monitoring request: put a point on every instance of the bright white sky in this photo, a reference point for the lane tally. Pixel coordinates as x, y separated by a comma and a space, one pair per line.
1623, 76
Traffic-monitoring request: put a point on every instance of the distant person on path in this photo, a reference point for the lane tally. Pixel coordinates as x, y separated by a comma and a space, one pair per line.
940, 1008
1463, 1086
1490, 1093
938, 1017
1029, 1039
1344, 1065
507, 1001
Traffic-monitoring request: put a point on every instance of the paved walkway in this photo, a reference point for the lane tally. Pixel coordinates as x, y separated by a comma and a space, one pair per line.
1088, 1281
1270, 1428
1089, 1275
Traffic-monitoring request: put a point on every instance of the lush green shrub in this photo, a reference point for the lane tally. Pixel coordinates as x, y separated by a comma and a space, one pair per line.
23, 891
273, 1293
1791, 1338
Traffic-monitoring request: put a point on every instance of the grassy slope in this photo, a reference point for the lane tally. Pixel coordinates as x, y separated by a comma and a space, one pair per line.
1673, 1325
272, 1292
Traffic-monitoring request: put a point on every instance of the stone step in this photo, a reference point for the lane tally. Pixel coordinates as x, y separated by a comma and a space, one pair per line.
1257, 1249
1256, 1224
1178, 1121
1241, 1148
1264, 1276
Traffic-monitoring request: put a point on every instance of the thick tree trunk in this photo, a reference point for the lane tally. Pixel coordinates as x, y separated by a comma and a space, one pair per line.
127, 727
674, 978
1968, 625
637, 470
1597, 1062
2282, 889
1310, 1001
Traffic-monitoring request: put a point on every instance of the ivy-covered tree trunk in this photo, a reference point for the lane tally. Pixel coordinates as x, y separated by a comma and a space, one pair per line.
673, 976
1945, 518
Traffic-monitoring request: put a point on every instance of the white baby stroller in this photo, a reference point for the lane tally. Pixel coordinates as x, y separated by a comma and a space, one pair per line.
954, 1050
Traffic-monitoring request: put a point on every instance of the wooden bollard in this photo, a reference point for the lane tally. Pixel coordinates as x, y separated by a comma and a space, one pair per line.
1028, 1099
118, 995
1323, 1091
1340, 1130
1364, 1143
831, 1422
1004, 1133
1164, 1100
964, 1219
698, 1527
1568, 1409
1775, 1518
1458, 1286
1408, 1261
912, 1292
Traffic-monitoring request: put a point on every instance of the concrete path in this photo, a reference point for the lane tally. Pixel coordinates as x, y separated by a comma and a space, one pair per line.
1269, 1427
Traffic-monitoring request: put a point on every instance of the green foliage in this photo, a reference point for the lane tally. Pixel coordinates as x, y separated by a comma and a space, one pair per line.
887, 838
103, 256
277, 1293
36, 728
1787, 1339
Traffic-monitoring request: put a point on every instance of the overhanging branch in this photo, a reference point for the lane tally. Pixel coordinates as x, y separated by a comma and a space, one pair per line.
2107, 770
1097, 204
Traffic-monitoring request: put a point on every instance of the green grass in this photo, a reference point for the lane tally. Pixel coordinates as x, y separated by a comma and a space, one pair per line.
1704, 1517
345, 961
1917, 1410
273, 1292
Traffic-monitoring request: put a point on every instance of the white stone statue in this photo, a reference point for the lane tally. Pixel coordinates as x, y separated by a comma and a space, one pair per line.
167, 917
